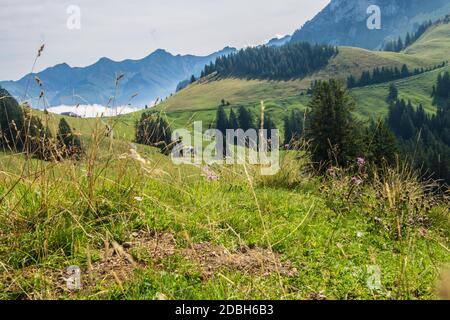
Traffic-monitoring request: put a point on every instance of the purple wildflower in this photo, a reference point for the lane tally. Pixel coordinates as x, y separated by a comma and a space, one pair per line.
357, 181
361, 162
209, 174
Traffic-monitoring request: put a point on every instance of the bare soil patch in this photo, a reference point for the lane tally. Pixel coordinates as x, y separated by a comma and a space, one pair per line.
119, 261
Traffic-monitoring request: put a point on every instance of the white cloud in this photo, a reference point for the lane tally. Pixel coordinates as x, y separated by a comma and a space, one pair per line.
92, 111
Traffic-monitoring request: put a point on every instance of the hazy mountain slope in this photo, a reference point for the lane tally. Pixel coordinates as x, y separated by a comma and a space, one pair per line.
156, 75
276, 42
344, 22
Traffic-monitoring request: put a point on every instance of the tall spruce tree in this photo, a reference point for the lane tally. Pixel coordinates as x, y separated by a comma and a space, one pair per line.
331, 126
222, 123
393, 93
381, 144
245, 118
269, 125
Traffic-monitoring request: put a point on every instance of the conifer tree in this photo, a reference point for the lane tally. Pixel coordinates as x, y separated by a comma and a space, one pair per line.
269, 125
222, 123
245, 118
331, 126
233, 122
399, 45
153, 130
37, 138
393, 93
382, 144
68, 143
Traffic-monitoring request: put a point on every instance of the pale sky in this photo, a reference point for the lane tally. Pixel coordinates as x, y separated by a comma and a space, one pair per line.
132, 29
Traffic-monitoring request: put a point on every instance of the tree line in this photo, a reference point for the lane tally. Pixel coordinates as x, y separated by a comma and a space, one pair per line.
386, 74
336, 137
400, 44
242, 119
276, 63
153, 129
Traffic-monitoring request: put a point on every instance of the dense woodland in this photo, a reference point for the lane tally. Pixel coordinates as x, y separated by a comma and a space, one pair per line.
275, 63
424, 139
152, 129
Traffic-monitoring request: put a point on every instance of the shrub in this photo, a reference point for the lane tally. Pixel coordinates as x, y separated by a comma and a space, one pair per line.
153, 130
69, 144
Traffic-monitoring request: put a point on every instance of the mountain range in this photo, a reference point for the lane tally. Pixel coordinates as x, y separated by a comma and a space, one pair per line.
143, 82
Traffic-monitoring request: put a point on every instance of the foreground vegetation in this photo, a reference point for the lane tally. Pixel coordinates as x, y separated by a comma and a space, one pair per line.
293, 236
140, 227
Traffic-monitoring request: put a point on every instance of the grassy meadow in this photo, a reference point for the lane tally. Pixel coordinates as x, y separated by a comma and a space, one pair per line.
140, 227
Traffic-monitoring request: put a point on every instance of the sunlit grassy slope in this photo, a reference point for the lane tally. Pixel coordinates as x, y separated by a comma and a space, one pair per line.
370, 101
434, 44
208, 93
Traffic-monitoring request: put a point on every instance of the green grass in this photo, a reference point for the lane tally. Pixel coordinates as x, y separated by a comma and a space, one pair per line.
328, 232
434, 44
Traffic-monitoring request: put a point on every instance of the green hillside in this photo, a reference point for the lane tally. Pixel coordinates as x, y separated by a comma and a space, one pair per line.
207, 93
434, 44
371, 100
200, 100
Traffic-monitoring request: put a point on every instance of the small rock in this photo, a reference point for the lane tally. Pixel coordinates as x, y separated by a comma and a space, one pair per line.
127, 245
160, 296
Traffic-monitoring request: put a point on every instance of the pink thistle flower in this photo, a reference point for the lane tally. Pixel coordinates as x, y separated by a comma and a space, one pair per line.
356, 181
209, 174
361, 162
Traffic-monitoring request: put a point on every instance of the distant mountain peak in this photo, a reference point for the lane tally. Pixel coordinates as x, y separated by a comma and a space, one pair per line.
62, 66
159, 53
